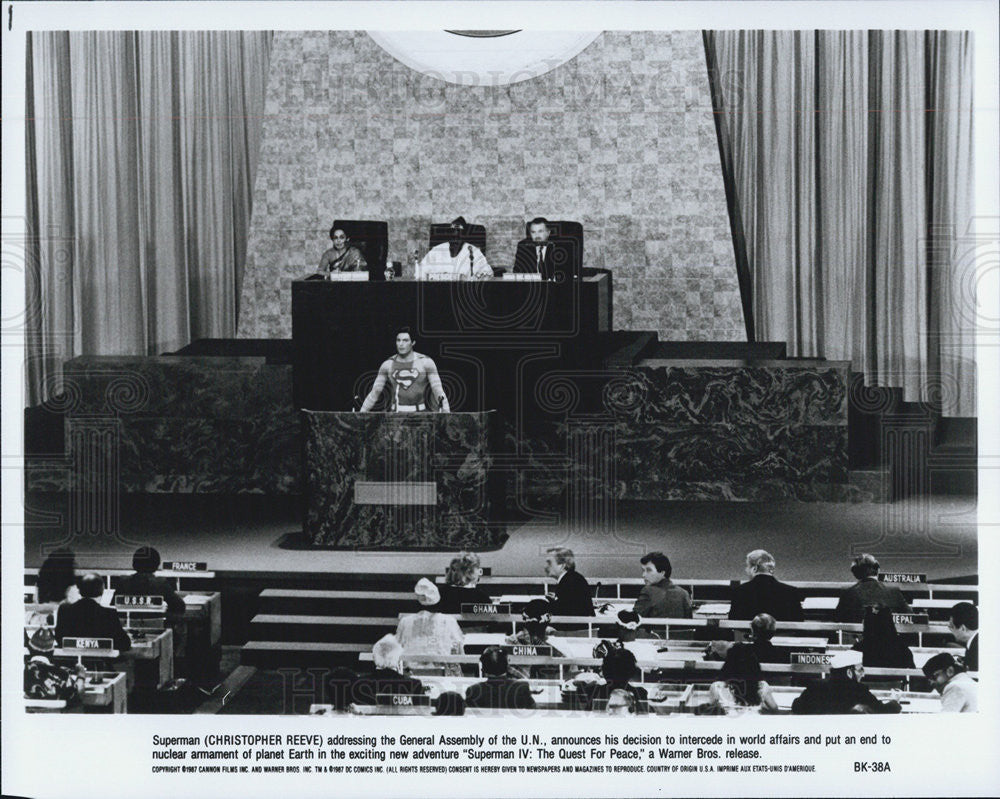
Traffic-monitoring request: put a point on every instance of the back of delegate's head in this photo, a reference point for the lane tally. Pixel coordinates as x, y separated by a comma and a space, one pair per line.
146, 560
55, 575
493, 661
965, 614
660, 562
940, 662
91, 586
463, 569
387, 653
537, 611
449, 703
564, 556
619, 666
760, 561
762, 627
864, 565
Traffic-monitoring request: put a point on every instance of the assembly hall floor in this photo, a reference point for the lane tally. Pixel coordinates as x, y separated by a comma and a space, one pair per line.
810, 541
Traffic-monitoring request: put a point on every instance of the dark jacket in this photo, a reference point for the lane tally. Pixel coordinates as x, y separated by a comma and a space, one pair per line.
769, 653
972, 654
454, 596
836, 696
558, 259
574, 596
500, 692
869, 591
383, 681
86, 618
663, 600
145, 584
765, 594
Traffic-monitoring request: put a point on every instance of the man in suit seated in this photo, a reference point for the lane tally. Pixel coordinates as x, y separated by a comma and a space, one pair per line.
538, 255
456, 259
660, 598
963, 624
763, 593
87, 618
388, 677
572, 595
144, 582
843, 692
499, 690
868, 590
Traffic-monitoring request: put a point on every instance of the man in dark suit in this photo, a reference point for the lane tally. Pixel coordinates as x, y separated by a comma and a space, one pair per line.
144, 582
842, 692
572, 594
499, 690
388, 677
868, 590
963, 624
763, 593
87, 618
541, 255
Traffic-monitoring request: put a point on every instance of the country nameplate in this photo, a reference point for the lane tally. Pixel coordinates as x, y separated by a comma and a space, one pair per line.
139, 601
528, 650
185, 566
902, 577
484, 609
910, 618
403, 700
811, 658
88, 643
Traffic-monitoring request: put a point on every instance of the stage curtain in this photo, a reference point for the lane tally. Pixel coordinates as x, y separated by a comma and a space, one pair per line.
852, 159
142, 148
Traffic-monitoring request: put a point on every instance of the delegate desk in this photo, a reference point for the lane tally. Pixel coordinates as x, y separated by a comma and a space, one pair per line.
478, 332
103, 691
203, 634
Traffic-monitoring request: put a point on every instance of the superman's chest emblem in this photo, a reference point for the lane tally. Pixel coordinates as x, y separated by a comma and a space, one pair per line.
406, 377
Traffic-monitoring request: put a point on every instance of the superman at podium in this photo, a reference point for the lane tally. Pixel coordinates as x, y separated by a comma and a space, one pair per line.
413, 380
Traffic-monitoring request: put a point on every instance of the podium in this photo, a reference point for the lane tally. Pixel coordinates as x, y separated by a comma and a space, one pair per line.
401, 481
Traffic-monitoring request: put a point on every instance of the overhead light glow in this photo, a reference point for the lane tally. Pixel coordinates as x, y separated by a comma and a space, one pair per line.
483, 58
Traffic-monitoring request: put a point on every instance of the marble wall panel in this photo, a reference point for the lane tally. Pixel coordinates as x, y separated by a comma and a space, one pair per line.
676, 430
191, 424
621, 138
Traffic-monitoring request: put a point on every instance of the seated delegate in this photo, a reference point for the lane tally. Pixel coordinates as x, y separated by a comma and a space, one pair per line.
87, 618
455, 259
499, 690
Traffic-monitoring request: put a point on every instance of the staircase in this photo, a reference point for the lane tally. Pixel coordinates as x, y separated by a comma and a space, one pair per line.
307, 627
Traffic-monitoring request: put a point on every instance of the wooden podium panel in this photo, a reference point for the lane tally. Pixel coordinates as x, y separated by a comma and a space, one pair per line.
400, 481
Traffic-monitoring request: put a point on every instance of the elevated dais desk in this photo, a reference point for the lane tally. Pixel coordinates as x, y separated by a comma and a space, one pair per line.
477, 331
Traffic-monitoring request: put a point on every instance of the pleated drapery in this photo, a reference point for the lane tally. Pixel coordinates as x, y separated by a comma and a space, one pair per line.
142, 148
851, 154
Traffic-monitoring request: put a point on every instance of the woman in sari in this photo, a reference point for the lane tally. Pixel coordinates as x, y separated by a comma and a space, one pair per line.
341, 257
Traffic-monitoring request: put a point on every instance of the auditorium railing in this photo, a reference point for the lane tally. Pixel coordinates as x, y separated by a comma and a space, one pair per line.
616, 583
683, 698
695, 668
107, 574
828, 627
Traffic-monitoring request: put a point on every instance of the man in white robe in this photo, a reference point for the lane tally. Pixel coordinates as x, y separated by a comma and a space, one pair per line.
456, 259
